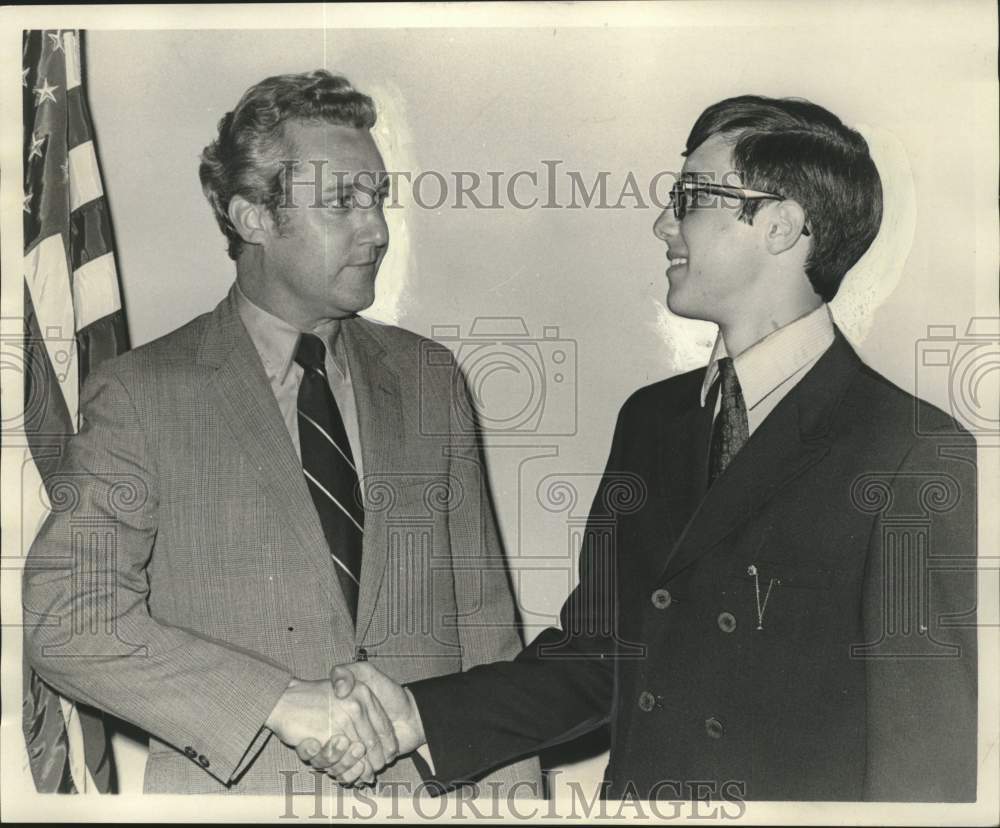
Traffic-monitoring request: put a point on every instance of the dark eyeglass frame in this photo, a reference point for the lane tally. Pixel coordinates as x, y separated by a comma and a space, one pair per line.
679, 196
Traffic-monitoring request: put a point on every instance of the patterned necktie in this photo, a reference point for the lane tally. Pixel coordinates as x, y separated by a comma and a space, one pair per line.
731, 429
329, 468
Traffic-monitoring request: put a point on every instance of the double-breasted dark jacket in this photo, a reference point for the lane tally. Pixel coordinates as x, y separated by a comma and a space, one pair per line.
801, 630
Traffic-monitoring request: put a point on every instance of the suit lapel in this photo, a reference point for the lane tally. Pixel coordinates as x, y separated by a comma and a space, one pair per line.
375, 381
794, 437
684, 463
240, 391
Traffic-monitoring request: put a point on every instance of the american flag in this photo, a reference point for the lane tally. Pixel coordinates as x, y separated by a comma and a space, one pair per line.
73, 319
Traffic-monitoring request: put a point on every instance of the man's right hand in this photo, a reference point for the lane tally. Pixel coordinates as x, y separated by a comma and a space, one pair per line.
397, 703
312, 713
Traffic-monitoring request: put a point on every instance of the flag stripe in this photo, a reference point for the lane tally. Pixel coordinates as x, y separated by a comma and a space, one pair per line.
46, 738
95, 290
47, 277
77, 118
46, 419
71, 46
90, 233
99, 759
84, 177
101, 340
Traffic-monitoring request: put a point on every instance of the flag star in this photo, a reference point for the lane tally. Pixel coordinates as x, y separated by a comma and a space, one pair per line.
36, 146
24, 76
57, 44
45, 91
28, 196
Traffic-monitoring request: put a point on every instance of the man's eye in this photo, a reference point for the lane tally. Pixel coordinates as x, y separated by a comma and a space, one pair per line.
357, 201
698, 199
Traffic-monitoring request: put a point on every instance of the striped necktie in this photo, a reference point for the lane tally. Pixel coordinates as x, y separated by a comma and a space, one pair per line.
329, 468
731, 429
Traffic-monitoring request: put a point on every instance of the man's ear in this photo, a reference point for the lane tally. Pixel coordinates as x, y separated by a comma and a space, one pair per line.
253, 222
785, 222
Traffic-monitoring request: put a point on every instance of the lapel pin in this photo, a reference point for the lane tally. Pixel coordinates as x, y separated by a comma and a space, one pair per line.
761, 607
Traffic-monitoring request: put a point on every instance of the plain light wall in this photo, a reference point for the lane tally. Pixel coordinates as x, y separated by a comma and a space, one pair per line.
597, 99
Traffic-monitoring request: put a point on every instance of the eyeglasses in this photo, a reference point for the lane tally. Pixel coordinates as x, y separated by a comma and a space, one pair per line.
683, 193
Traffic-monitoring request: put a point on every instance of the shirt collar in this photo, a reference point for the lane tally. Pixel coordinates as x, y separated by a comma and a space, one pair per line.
276, 340
768, 363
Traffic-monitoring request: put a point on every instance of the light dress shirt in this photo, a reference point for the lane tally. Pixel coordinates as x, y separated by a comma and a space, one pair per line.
276, 341
773, 366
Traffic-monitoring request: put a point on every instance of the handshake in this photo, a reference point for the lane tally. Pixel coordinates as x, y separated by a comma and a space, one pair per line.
351, 726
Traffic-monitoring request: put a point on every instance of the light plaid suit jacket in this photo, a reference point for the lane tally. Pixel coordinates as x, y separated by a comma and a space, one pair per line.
182, 578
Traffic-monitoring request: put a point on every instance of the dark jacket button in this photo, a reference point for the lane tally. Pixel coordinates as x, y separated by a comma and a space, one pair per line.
203, 761
190, 752
647, 701
661, 598
362, 654
714, 728
727, 622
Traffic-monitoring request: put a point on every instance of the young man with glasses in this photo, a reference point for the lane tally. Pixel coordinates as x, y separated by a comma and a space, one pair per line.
789, 612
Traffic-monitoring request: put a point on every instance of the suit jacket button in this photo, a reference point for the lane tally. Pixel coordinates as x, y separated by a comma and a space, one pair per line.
190, 752
714, 728
361, 655
647, 701
727, 622
661, 598
203, 761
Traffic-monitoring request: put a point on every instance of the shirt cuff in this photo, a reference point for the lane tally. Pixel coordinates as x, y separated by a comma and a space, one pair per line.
424, 752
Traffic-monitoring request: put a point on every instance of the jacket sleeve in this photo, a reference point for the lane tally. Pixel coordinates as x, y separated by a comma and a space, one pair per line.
920, 612
557, 688
88, 630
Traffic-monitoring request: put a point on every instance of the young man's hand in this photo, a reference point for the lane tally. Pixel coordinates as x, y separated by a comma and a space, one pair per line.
338, 757
328, 714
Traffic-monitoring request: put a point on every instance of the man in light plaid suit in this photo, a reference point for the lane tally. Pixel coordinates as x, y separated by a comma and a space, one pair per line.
278, 487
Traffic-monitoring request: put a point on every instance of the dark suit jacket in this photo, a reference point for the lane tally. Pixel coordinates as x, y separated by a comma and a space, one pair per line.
860, 682
183, 577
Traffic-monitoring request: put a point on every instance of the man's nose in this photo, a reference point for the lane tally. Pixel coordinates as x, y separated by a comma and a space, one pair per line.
375, 230
665, 225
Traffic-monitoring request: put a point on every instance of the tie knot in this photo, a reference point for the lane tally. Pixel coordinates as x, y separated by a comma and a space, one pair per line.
311, 353
727, 372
